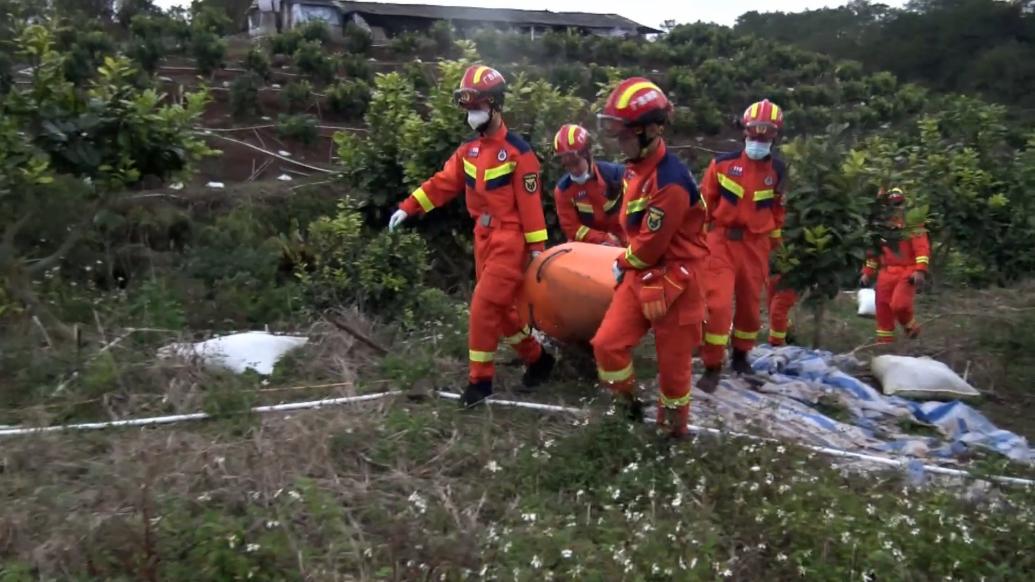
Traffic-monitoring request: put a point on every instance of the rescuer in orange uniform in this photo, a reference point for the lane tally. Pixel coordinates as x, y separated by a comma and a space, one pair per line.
499, 174
744, 193
781, 300
903, 268
589, 196
658, 280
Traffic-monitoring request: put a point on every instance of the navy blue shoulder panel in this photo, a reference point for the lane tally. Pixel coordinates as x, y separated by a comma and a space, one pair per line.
781, 169
564, 183
611, 172
672, 170
518, 142
728, 156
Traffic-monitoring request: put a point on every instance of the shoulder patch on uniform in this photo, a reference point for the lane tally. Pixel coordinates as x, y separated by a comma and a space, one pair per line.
518, 142
655, 217
728, 156
531, 182
564, 183
673, 171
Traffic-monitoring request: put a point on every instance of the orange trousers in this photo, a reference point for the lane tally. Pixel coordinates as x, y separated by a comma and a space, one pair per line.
737, 273
895, 293
781, 301
676, 334
499, 261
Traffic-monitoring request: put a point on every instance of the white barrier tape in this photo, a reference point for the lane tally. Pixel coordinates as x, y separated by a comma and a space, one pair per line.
824, 450
157, 420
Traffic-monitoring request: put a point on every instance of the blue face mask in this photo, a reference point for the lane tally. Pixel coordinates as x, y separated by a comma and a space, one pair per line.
757, 150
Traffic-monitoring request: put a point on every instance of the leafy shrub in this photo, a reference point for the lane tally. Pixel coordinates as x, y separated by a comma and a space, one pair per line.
357, 39
411, 44
208, 51
316, 31
258, 62
357, 67
211, 19
442, 35
301, 128
244, 95
348, 265
155, 304
285, 43
350, 98
311, 60
297, 95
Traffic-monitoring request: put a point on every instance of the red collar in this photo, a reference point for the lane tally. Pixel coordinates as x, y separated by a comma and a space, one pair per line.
499, 135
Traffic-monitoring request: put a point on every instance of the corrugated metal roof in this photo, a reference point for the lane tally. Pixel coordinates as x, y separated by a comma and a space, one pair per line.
488, 15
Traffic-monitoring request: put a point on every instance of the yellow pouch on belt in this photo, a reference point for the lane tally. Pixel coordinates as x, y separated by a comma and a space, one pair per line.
659, 290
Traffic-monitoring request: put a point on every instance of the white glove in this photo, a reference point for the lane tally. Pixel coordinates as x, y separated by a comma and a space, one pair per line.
397, 218
617, 272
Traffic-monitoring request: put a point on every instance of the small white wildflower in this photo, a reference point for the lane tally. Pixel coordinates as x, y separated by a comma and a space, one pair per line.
870, 509
536, 562
655, 569
368, 553
781, 450
294, 495
755, 469
915, 531
231, 540
272, 524
492, 467
566, 554
549, 443
781, 557
252, 548
678, 500
727, 573
761, 546
630, 468
616, 493
845, 537
802, 570
205, 497
254, 495
693, 563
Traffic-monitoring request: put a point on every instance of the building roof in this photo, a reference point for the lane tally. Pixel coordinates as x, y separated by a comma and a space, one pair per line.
497, 15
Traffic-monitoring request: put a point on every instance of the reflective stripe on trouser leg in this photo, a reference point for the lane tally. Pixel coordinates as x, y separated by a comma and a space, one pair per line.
522, 341
885, 336
621, 329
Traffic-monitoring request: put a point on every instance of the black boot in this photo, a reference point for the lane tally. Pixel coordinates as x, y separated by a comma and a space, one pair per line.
740, 364
476, 393
538, 371
709, 380
630, 407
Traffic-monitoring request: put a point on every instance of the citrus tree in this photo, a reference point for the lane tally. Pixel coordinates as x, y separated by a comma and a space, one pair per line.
68, 152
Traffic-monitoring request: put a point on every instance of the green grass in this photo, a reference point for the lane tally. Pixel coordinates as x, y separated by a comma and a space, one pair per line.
403, 492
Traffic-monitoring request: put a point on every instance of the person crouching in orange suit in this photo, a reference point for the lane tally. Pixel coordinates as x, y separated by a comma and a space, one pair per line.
499, 174
657, 276
744, 193
902, 268
589, 196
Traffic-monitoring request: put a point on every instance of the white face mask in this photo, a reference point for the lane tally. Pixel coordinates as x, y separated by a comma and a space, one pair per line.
757, 150
477, 118
580, 179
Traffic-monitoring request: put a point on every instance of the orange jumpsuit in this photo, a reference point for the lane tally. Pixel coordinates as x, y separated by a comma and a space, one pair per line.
745, 202
664, 218
499, 174
589, 212
781, 301
895, 292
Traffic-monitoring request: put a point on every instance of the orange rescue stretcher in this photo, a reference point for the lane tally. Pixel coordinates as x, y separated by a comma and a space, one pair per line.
567, 290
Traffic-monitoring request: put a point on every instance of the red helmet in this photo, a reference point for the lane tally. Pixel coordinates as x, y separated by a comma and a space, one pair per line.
635, 102
896, 196
480, 84
763, 119
571, 139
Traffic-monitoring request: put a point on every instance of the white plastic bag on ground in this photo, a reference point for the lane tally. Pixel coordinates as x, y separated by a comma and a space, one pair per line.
238, 352
867, 299
921, 379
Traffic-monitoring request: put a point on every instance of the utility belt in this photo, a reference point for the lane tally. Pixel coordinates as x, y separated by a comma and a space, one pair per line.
488, 221
735, 233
